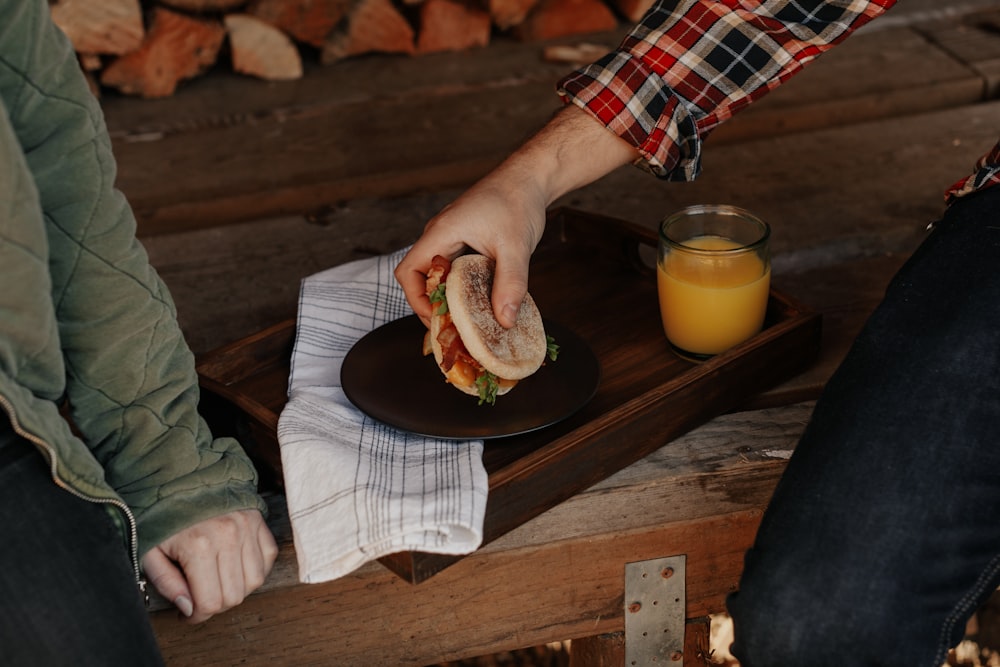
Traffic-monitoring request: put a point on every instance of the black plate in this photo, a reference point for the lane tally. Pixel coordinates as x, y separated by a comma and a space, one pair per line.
386, 377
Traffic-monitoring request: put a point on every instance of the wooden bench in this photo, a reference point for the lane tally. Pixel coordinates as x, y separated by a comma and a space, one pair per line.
848, 166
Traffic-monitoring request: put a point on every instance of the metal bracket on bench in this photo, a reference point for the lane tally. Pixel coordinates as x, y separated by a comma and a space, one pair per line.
654, 612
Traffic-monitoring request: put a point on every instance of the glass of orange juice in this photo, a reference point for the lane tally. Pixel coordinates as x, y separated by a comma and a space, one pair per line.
713, 276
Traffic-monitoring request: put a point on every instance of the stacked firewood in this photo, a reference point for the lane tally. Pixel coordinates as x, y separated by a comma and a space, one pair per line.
146, 47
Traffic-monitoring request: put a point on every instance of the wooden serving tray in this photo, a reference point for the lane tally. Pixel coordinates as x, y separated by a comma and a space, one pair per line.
595, 275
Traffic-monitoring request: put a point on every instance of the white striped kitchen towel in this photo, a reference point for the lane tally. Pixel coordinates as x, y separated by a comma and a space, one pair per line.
358, 490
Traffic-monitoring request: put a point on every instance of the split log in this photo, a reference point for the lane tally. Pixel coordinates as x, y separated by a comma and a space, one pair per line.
373, 26
447, 25
259, 49
558, 18
176, 47
100, 26
576, 55
307, 21
508, 13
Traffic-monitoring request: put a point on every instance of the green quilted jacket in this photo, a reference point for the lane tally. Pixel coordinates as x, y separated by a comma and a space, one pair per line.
84, 318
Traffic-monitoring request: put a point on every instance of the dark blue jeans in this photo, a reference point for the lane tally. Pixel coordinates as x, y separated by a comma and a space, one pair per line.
883, 535
68, 594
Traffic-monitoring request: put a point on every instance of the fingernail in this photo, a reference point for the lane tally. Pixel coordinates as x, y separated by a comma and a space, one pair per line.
510, 314
184, 605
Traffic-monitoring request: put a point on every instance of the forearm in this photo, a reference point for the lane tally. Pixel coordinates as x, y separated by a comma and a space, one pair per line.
571, 151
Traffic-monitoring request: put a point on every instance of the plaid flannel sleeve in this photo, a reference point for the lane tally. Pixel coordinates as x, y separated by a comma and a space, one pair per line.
689, 65
986, 174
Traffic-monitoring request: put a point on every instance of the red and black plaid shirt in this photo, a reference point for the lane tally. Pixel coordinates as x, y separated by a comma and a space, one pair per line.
689, 65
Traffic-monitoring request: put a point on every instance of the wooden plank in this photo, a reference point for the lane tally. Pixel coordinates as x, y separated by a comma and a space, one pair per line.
975, 41
310, 145
229, 282
701, 495
301, 161
607, 650
572, 590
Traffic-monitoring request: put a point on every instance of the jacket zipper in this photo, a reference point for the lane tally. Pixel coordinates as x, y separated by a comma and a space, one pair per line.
125, 509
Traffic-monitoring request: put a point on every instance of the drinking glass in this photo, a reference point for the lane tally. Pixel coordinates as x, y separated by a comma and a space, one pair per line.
713, 278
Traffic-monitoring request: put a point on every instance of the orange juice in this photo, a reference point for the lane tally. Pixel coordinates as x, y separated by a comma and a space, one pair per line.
710, 301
